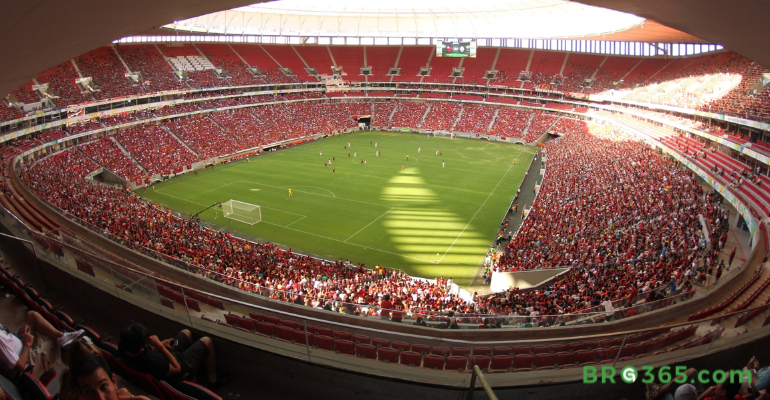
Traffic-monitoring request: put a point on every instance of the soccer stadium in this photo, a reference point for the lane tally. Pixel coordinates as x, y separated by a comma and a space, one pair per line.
542, 199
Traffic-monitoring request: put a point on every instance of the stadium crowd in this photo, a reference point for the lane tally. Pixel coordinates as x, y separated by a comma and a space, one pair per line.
262, 268
626, 222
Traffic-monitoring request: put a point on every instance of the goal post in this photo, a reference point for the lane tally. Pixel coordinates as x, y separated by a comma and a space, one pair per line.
443, 134
242, 212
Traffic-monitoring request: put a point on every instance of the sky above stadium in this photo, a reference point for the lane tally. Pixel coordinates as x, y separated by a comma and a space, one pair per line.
407, 18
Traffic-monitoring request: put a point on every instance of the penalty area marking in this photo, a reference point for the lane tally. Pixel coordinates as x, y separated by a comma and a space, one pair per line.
314, 187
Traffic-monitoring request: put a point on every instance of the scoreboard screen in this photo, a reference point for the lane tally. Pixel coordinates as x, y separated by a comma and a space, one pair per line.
456, 49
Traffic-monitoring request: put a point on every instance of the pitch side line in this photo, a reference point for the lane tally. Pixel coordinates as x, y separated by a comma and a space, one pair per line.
367, 225
316, 194
477, 211
211, 190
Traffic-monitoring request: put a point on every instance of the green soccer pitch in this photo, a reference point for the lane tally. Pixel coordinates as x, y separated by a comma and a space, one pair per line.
416, 215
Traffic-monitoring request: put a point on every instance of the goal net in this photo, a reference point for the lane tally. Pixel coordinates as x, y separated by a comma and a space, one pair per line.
242, 212
443, 134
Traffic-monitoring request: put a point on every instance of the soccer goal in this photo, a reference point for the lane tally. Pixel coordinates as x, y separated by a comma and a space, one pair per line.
242, 212
443, 134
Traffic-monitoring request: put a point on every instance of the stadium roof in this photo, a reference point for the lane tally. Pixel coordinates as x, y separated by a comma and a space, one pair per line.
39, 34
407, 18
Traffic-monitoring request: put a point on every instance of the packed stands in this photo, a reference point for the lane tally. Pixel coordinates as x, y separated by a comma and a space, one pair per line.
240, 124
106, 153
475, 119
222, 56
540, 123
155, 149
408, 114
510, 123
25, 94
157, 74
205, 79
442, 116
204, 136
108, 73
61, 80
382, 113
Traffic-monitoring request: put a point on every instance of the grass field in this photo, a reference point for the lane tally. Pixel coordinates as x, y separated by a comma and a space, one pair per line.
426, 219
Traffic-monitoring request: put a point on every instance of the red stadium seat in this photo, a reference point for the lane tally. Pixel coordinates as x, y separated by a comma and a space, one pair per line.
501, 363
456, 363
421, 348
284, 333
441, 351
482, 351
523, 362
411, 358
366, 351
361, 339
379, 342
433, 361
400, 346
341, 335
323, 342
387, 354
482, 361
522, 350
344, 346
545, 361
461, 351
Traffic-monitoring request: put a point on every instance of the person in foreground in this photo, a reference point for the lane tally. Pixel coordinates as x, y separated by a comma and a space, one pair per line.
170, 359
95, 381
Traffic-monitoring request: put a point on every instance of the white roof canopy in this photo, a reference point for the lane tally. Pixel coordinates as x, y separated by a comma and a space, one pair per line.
408, 18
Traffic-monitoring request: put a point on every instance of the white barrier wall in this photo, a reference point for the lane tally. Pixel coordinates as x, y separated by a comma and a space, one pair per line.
501, 281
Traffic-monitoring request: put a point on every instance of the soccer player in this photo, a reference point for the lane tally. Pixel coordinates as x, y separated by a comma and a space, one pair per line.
375, 145
330, 161
290, 192
436, 153
407, 157
440, 153
354, 154
320, 153
418, 150
348, 144
442, 163
403, 167
334, 170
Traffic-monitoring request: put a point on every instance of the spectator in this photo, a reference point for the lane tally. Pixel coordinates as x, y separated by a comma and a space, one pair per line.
169, 359
24, 348
94, 379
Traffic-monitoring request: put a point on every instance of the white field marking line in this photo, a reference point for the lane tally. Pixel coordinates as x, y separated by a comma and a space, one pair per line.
316, 194
367, 225
480, 207
211, 190
488, 145
322, 236
287, 212
228, 166
352, 244
314, 187
295, 221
